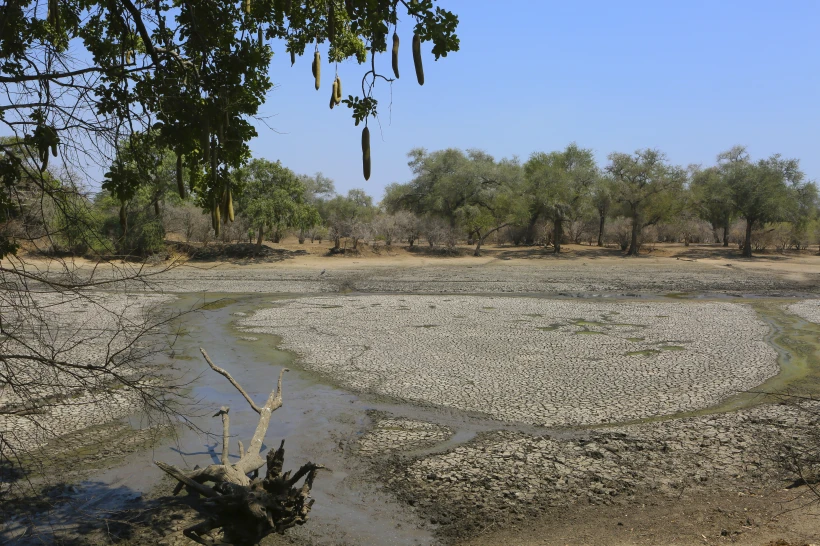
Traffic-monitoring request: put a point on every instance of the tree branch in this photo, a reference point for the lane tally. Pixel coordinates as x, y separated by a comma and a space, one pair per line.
146, 39
238, 387
203, 490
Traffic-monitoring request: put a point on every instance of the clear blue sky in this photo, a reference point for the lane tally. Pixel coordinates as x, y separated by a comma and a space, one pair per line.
691, 78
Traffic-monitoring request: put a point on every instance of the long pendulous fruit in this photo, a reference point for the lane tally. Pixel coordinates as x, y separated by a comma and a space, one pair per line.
337, 94
396, 54
215, 218
333, 96
417, 58
230, 205
331, 22
292, 57
317, 68
223, 206
366, 153
180, 183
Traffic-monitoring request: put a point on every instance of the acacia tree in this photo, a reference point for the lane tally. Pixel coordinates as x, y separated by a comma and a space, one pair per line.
318, 189
347, 216
444, 182
712, 200
498, 204
273, 197
601, 198
769, 190
559, 185
645, 186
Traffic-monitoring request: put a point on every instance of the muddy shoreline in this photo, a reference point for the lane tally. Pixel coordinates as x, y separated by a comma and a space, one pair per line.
408, 474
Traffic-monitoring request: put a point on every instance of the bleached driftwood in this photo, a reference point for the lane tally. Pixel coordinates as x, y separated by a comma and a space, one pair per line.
240, 508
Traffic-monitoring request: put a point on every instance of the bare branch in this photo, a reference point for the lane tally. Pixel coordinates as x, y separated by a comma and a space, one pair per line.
228, 376
226, 425
203, 490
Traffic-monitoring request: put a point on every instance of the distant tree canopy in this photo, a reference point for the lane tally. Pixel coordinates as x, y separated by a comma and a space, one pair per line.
273, 197
646, 188
349, 216
90, 81
468, 190
769, 190
560, 186
472, 193
712, 201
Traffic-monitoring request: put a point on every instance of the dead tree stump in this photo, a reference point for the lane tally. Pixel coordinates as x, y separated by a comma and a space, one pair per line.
238, 509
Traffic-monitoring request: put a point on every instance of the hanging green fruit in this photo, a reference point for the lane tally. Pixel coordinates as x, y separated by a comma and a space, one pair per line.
338, 90
230, 205
396, 54
366, 152
417, 58
317, 68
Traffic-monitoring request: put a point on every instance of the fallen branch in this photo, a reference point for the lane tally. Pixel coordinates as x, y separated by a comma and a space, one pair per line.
240, 509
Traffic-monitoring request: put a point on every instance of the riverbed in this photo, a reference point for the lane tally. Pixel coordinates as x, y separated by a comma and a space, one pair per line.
381, 446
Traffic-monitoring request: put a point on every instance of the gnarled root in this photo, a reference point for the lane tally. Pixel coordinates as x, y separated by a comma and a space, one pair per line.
244, 510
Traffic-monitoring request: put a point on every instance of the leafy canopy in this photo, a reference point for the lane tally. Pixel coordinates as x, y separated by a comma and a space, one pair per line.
88, 77
274, 196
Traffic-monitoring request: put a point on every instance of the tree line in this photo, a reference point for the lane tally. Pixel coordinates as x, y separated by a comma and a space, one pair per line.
456, 196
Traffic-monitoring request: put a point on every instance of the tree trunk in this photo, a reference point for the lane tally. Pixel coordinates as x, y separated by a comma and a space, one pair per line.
747, 244
634, 245
558, 234
355, 243
246, 509
260, 237
337, 243
301, 236
601, 229
477, 251
529, 236
726, 234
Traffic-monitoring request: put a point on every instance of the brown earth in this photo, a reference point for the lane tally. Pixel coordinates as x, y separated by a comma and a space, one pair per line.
717, 514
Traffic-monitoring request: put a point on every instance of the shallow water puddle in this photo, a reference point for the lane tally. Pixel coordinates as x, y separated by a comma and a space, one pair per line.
320, 422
